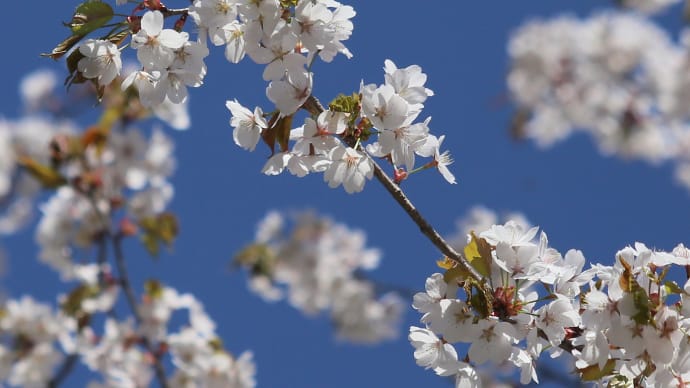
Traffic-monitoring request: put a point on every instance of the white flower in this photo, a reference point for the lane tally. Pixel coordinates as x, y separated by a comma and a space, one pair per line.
101, 60
213, 15
277, 163
384, 107
156, 46
320, 133
349, 168
408, 83
555, 317
401, 143
432, 147
428, 302
291, 93
151, 92
511, 233
432, 352
457, 321
515, 262
493, 342
234, 35
247, 125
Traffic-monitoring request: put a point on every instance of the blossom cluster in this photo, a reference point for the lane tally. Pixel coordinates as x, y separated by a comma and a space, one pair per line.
319, 266
35, 340
332, 140
105, 183
284, 36
625, 323
127, 172
617, 76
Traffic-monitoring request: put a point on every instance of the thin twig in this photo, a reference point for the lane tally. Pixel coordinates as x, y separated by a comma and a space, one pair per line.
313, 105
439, 242
102, 256
132, 301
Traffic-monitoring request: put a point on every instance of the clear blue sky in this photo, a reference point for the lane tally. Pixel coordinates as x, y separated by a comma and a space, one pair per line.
582, 200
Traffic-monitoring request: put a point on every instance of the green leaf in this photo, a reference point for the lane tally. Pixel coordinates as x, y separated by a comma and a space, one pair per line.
72, 303
347, 104
672, 288
643, 314
90, 16
160, 229
154, 289
478, 253
594, 373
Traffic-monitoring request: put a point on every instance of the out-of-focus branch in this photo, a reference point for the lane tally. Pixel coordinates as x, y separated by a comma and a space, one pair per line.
64, 371
132, 301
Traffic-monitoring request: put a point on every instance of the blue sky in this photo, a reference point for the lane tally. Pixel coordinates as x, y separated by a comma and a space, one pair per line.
582, 200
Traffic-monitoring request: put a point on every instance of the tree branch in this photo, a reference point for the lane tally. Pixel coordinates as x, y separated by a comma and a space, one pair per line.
64, 371
313, 106
132, 301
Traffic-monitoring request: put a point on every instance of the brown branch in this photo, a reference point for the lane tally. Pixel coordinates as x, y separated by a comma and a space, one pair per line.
313, 106
439, 242
132, 301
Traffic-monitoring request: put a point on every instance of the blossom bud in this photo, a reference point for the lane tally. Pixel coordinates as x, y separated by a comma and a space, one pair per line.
399, 175
127, 227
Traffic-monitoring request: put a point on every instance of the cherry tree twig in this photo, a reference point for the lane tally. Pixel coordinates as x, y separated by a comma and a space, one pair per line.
313, 105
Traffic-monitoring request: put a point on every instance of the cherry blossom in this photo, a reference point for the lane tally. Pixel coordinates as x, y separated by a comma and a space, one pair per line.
101, 60
155, 45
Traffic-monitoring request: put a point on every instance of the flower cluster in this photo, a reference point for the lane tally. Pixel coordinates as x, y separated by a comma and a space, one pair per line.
624, 323
74, 217
319, 265
332, 140
105, 183
284, 36
29, 334
35, 340
617, 76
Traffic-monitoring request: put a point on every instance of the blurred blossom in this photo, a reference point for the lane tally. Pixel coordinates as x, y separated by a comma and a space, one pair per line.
617, 76
37, 89
319, 265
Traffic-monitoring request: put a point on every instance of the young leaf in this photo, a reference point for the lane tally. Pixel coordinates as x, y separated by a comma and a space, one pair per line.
90, 16
478, 253
162, 228
594, 373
